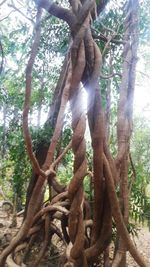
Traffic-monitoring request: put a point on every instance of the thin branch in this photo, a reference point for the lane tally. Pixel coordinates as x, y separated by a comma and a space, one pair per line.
102, 37
110, 75
7, 15
53, 165
133, 177
18, 10
107, 28
2, 53
62, 154
60, 118
111, 37
144, 74
2, 2
105, 38
29, 68
132, 165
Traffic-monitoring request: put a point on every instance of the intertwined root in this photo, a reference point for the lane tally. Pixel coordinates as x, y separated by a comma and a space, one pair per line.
85, 234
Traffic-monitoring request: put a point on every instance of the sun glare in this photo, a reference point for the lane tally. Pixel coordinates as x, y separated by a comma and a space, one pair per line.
142, 90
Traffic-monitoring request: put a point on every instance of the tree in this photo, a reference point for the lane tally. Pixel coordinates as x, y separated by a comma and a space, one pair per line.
83, 68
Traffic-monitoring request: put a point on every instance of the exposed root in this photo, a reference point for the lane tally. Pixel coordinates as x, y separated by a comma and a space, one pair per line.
10, 261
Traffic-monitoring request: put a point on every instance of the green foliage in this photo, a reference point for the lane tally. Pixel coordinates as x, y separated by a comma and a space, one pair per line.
145, 22
88, 187
41, 136
132, 228
65, 169
18, 164
139, 204
16, 37
65, 173
140, 200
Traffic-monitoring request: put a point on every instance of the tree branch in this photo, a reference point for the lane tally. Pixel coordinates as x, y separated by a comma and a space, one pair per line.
133, 176
2, 54
2, 2
102, 76
57, 11
7, 15
105, 38
53, 165
18, 10
29, 68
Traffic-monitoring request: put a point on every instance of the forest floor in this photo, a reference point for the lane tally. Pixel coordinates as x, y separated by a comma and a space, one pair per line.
142, 242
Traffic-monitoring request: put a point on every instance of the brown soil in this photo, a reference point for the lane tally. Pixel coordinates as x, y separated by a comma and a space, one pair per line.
143, 244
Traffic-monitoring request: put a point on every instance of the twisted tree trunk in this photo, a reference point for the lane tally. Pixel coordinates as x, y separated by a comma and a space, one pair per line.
88, 234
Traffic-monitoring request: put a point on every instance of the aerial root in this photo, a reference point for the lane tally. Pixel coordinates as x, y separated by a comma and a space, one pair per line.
116, 212
59, 208
17, 262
